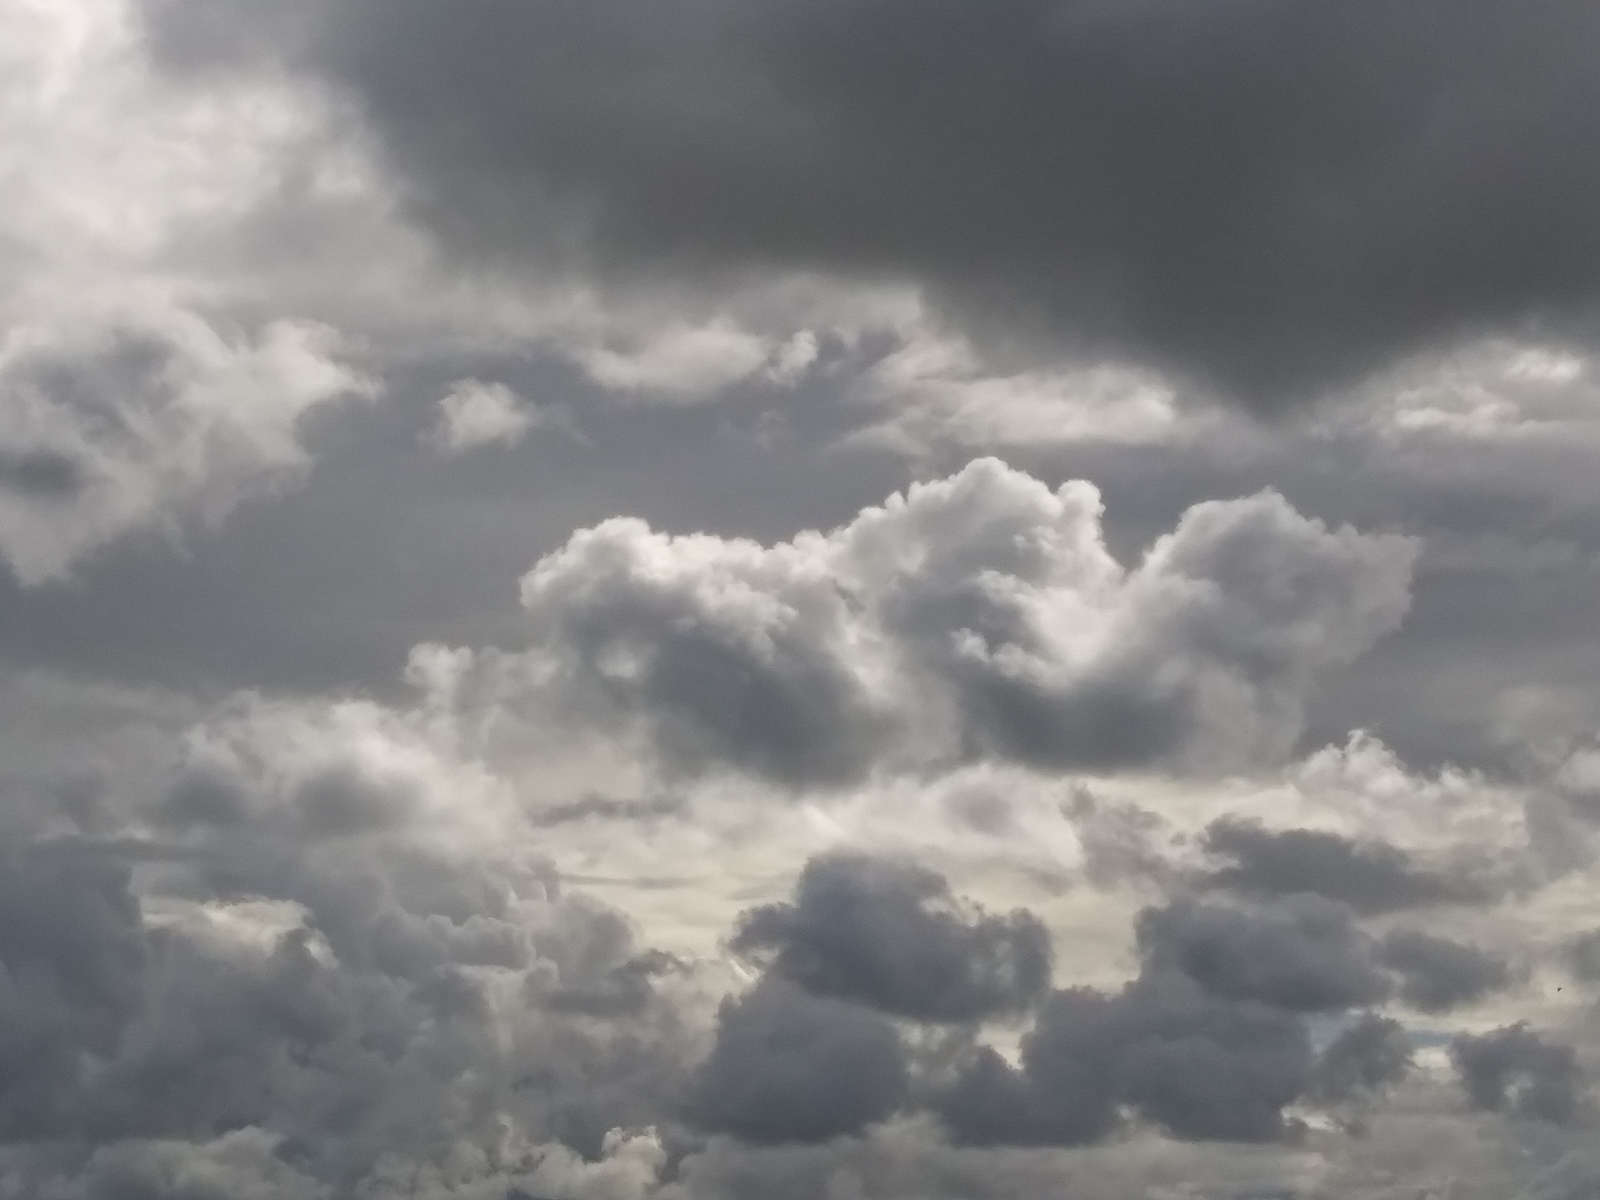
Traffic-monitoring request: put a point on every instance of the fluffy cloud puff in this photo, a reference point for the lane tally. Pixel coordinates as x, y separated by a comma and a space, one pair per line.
979, 615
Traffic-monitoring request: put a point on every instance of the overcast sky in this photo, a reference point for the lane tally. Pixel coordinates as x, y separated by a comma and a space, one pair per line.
799, 600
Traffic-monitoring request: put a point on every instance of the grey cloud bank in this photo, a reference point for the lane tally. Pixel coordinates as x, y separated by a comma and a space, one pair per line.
1267, 195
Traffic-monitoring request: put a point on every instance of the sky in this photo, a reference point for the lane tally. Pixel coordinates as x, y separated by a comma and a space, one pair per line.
799, 599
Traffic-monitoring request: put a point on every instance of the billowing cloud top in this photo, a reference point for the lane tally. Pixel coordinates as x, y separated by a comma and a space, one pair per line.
980, 615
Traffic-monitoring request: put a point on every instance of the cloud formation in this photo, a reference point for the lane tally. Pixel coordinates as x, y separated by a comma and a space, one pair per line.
1266, 195
975, 616
1517, 1070
474, 413
891, 936
151, 421
788, 1066
1371, 877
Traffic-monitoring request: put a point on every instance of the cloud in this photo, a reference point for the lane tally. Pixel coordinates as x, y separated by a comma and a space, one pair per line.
1202, 1068
149, 422
1517, 1070
243, 1163
789, 1066
1366, 1055
71, 960
890, 935
1304, 953
1372, 877
975, 616
1439, 974
336, 926
474, 413
1371, 179
1583, 956
693, 361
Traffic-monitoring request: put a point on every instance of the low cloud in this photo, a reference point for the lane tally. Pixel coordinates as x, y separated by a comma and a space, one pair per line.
890, 935
1514, 1069
788, 1066
1438, 974
1371, 876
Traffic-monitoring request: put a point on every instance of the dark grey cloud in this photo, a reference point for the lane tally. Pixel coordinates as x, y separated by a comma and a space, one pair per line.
1211, 1070
791, 1067
1068, 1087
1367, 1054
1203, 1068
1514, 1069
1372, 877
1583, 956
41, 474
1304, 953
890, 935
1266, 194
1438, 974
72, 960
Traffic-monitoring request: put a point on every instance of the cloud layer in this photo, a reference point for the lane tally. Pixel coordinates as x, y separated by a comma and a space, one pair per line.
1268, 195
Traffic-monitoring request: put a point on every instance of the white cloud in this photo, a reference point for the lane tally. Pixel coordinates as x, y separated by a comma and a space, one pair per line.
689, 360
974, 616
131, 398
935, 393
149, 421
475, 413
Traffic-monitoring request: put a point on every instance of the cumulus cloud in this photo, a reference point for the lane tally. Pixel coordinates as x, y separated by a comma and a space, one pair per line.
1366, 1055
979, 615
1518, 1070
1439, 974
334, 933
142, 388
890, 935
1304, 954
789, 1066
1371, 876
1201, 1067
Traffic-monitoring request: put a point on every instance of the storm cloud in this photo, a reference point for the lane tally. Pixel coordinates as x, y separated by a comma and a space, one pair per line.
1266, 195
